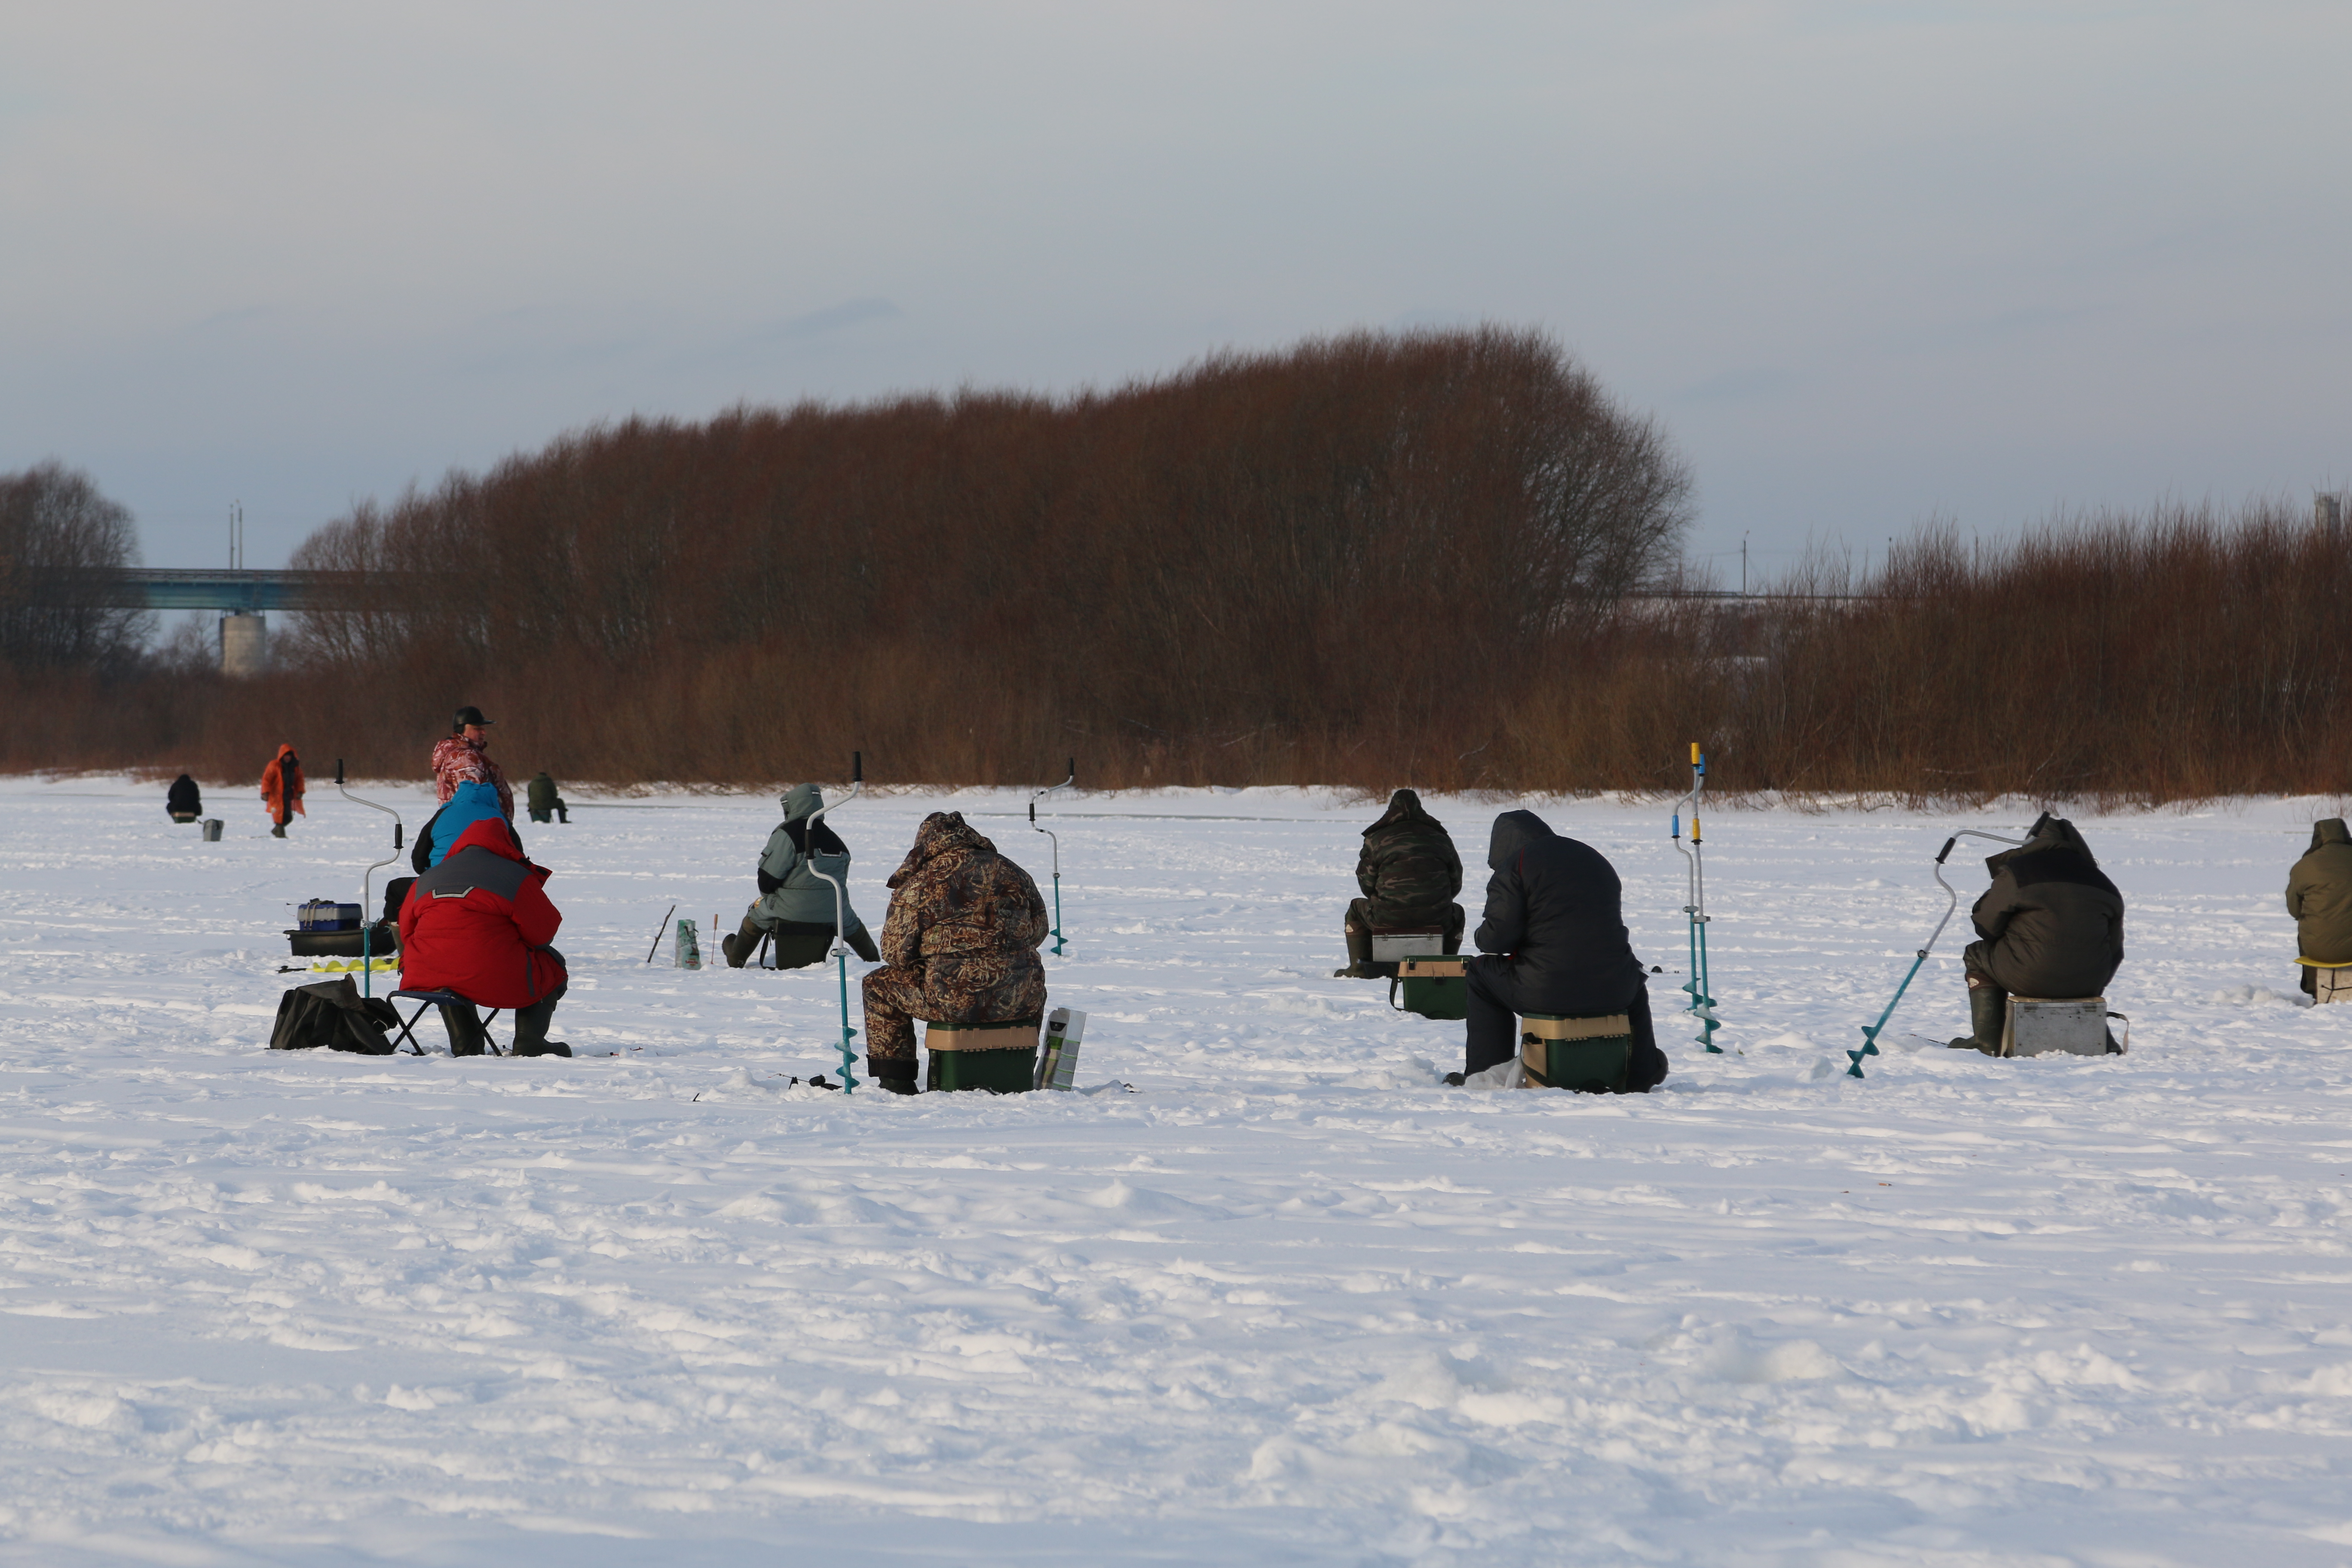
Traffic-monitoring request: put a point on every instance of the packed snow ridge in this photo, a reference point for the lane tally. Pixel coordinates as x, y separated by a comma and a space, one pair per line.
1265, 1291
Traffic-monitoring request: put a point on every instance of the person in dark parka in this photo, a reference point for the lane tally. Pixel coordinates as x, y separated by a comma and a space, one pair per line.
1411, 875
2319, 896
2051, 925
182, 800
543, 801
1555, 930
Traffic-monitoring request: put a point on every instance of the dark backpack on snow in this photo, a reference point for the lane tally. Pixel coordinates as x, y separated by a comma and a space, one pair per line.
334, 1014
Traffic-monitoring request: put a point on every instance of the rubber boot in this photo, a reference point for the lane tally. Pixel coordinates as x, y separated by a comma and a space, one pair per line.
277, 831
1987, 1009
739, 948
892, 1075
1359, 955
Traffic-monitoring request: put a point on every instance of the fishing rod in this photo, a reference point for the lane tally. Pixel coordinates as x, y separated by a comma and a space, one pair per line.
1049, 833
840, 954
367, 923
1702, 998
1951, 903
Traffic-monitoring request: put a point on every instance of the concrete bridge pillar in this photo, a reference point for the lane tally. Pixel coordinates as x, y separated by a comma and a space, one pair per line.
244, 642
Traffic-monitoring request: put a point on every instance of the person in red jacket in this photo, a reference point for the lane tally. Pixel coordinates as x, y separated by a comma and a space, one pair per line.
478, 924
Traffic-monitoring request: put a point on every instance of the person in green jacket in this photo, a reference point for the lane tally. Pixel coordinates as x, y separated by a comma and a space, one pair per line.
544, 802
2319, 896
796, 905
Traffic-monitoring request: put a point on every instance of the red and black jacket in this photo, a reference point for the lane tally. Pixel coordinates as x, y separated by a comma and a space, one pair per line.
479, 923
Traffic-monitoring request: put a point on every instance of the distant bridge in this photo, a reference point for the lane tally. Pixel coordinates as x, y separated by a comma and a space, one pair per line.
214, 588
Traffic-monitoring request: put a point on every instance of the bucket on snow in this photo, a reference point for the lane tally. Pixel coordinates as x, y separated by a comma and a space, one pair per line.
212, 829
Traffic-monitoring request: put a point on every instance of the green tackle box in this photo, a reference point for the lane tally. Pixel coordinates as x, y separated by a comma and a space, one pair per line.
1588, 1056
999, 1057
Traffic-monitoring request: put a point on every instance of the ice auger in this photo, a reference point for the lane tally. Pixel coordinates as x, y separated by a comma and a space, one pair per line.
1049, 833
840, 922
1702, 1000
1951, 902
367, 919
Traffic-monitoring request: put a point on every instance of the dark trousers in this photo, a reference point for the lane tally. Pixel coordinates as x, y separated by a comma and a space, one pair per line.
464, 1022
1497, 1001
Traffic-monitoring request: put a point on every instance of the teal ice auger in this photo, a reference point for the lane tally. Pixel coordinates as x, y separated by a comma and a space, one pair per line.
840, 924
1951, 902
1058, 849
1702, 999
367, 922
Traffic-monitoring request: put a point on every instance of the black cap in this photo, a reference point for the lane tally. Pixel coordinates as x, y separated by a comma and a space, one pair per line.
470, 715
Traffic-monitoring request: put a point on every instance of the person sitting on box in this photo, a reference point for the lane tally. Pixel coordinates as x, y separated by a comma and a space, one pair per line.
2051, 925
1553, 941
2319, 896
182, 800
478, 924
958, 946
1410, 874
797, 904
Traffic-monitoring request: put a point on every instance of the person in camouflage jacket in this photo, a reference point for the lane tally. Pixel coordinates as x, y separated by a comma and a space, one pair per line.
1411, 875
958, 946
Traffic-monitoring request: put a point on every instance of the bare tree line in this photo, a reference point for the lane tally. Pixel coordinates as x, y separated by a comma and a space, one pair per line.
1369, 561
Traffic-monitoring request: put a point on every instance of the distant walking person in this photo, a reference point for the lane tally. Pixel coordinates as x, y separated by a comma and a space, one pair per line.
182, 800
544, 802
464, 755
1410, 874
2051, 925
1555, 927
281, 789
2319, 896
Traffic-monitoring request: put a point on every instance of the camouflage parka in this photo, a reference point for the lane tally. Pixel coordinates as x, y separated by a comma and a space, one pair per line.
964, 916
1408, 869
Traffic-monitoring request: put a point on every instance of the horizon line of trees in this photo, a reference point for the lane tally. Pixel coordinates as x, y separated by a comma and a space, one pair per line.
1373, 559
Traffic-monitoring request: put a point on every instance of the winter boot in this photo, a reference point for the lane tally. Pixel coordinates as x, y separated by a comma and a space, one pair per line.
892, 1075
278, 830
739, 947
1359, 955
1988, 1007
541, 1048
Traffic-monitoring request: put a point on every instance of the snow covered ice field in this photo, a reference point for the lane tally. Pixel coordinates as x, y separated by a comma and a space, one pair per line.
1289, 1301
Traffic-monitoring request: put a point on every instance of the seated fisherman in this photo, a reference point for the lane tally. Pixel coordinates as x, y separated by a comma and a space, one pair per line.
2319, 896
959, 946
544, 802
797, 904
478, 924
1411, 875
182, 801
2051, 925
1555, 925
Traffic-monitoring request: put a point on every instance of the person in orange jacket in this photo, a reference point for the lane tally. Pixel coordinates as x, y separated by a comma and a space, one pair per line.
281, 789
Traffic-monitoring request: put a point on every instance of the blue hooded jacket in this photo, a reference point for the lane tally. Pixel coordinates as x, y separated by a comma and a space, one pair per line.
473, 802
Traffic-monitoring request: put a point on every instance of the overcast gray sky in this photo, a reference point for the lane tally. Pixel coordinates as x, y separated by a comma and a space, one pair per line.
1869, 262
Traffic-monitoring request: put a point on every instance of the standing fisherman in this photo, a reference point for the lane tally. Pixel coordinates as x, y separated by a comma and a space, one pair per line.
281, 789
463, 755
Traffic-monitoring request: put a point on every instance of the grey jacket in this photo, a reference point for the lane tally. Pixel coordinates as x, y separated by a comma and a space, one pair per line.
2319, 894
789, 888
